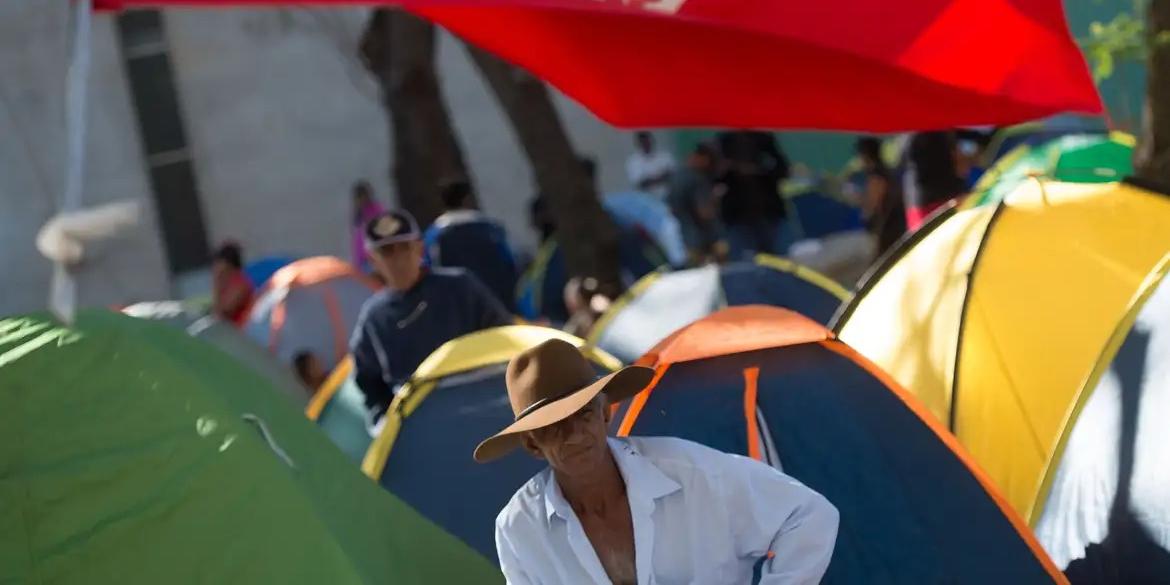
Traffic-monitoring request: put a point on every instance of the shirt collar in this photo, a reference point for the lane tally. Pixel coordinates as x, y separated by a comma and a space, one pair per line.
644, 481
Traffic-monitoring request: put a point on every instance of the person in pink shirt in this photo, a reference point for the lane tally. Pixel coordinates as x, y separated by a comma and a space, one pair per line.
365, 209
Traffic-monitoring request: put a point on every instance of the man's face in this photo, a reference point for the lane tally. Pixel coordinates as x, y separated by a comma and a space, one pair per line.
400, 263
576, 445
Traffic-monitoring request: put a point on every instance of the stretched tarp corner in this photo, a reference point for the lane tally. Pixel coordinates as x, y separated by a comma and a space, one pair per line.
924, 68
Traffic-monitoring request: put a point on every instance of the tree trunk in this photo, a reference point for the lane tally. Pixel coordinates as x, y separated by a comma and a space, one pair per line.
1153, 155
585, 231
399, 49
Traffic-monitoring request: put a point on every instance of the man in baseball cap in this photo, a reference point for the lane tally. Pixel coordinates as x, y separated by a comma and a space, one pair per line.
419, 310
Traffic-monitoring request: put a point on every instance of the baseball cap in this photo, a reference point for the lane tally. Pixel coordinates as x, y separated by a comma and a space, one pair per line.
391, 227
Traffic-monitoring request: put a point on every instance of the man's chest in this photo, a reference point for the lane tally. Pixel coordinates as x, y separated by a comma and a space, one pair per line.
612, 539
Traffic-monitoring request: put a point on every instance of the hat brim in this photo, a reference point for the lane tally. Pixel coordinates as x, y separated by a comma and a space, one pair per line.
617, 387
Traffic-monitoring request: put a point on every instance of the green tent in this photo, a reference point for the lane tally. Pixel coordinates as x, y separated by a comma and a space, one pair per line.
1076, 158
132, 453
229, 339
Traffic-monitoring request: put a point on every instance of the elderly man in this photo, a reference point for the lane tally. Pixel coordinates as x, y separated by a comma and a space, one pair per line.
640, 510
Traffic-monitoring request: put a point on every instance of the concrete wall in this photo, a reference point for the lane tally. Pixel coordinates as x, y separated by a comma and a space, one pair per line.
281, 119
32, 145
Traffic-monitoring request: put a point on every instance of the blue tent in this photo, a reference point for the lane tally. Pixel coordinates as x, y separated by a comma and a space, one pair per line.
767, 383
456, 399
662, 302
541, 290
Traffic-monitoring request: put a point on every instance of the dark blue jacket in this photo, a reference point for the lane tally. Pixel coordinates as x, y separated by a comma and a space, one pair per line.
396, 331
469, 239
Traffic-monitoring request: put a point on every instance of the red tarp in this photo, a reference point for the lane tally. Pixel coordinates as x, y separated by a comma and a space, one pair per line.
867, 65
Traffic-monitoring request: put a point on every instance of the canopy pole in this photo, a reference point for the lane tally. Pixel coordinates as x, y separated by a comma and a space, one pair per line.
63, 291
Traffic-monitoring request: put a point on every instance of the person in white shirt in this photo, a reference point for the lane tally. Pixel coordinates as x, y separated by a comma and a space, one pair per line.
650, 169
640, 510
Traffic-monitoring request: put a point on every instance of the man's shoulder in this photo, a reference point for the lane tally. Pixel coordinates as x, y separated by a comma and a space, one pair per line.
379, 300
526, 505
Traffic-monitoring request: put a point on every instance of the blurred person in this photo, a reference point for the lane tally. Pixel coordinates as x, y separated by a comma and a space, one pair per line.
309, 369
650, 168
586, 303
540, 217
882, 205
640, 211
754, 166
464, 237
933, 178
232, 290
419, 310
640, 509
694, 200
365, 208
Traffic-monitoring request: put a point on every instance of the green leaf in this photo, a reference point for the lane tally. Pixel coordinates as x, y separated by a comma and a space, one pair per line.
1102, 66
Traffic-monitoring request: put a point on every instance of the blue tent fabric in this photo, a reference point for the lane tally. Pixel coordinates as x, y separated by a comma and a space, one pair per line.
431, 468
259, 271
911, 511
819, 215
754, 284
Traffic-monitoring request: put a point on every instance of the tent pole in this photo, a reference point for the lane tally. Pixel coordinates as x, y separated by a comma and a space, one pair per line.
63, 292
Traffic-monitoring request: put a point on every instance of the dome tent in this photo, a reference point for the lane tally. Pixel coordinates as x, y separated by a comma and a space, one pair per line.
309, 305
662, 302
131, 453
995, 316
1075, 158
767, 383
456, 398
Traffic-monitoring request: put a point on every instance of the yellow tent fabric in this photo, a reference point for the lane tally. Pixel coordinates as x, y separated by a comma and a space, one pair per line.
1053, 272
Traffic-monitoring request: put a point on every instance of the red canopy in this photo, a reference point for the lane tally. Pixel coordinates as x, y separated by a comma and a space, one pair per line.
868, 65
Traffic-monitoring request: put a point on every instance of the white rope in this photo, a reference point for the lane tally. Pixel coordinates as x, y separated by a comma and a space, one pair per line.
249, 417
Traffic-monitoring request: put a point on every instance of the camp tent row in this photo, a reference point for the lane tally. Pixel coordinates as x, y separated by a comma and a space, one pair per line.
1005, 320
756, 381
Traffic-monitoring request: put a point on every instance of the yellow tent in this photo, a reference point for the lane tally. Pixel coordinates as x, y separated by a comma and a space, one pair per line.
997, 316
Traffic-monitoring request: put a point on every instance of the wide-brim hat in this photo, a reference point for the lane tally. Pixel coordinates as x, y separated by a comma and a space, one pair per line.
551, 382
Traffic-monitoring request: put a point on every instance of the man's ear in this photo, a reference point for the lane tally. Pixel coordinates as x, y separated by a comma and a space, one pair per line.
609, 410
530, 445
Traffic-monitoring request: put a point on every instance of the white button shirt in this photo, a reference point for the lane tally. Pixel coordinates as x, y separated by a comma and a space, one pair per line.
700, 516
